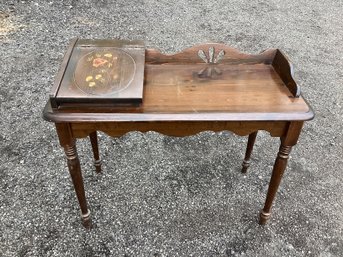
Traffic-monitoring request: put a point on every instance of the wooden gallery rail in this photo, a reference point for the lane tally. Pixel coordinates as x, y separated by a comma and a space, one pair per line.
206, 87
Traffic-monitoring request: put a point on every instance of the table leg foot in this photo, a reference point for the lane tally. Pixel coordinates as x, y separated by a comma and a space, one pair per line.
86, 220
245, 166
251, 142
264, 217
97, 164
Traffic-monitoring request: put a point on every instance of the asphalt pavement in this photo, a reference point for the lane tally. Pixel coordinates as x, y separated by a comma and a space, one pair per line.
160, 195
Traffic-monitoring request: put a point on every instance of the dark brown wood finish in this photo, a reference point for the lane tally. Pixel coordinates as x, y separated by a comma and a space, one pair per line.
61, 72
67, 141
177, 128
288, 140
274, 57
251, 142
185, 94
95, 147
284, 68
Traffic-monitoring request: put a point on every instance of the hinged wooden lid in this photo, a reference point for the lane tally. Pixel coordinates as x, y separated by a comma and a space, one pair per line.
100, 72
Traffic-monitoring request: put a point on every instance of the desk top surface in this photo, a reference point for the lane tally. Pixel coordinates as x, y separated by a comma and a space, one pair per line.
240, 87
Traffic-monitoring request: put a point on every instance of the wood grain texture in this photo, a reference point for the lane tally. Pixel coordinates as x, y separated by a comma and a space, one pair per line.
275, 57
242, 88
175, 92
248, 87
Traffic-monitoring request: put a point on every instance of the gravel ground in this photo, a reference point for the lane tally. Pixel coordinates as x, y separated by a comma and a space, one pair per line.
159, 195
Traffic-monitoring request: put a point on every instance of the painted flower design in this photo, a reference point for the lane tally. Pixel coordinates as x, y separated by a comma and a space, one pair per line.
99, 62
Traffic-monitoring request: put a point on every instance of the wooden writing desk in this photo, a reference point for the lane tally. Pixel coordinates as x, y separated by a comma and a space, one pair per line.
207, 87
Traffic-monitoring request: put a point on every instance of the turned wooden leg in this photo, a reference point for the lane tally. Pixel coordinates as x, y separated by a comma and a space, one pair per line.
76, 176
287, 141
278, 170
246, 161
68, 143
94, 141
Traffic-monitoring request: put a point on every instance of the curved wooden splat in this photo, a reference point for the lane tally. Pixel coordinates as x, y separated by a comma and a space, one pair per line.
225, 53
178, 129
213, 53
